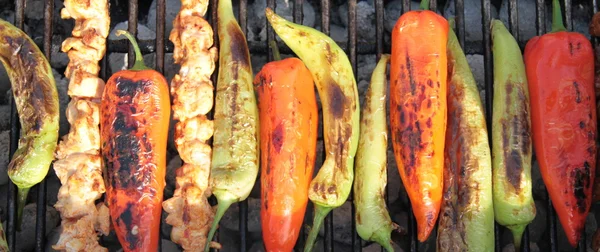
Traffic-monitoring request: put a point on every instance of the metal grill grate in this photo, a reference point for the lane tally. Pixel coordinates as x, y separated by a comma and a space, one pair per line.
161, 45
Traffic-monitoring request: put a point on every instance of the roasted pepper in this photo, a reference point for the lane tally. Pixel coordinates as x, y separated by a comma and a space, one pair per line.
373, 222
236, 138
560, 73
289, 120
511, 137
335, 82
418, 110
467, 215
134, 125
36, 100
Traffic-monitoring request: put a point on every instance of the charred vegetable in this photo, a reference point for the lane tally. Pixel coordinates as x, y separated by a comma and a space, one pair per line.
289, 120
511, 137
235, 142
560, 72
467, 215
134, 126
336, 85
418, 110
36, 100
373, 222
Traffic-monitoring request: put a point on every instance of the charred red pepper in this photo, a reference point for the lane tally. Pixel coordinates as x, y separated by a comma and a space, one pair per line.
134, 128
560, 71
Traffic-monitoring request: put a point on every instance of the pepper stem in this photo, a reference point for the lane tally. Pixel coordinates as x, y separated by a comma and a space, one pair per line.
221, 209
273, 45
21, 200
424, 5
139, 59
557, 22
517, 231
320, 213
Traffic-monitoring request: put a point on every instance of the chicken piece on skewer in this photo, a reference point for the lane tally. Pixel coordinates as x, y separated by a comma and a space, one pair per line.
79, 165
190, 214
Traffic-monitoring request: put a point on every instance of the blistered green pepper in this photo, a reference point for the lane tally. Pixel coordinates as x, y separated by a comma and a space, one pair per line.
337, 89
37, 104
466, 221
373, 222
511, 136
236, 137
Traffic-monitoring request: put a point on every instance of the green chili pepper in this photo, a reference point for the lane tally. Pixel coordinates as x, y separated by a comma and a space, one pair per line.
373, 222
37, 104
511, 137
337, 89
466, 222
236, 138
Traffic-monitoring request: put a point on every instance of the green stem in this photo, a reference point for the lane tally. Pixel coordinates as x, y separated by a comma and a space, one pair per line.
273, 45
517, 231
320, 213
139, 59
557, 22
424, 5
21, 200
221, 209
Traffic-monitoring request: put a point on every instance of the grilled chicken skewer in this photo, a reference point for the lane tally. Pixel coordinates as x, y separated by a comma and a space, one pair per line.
78, 164
190, 214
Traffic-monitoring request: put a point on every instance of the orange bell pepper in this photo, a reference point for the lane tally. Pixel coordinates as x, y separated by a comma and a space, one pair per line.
418, 110
288, 126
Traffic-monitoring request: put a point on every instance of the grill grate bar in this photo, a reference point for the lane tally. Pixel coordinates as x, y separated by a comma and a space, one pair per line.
243, 205
132, 28
270, 32
160, 36
14, 138
540, 20
40, 223
379, 27
552, 223
460, 21
567, 14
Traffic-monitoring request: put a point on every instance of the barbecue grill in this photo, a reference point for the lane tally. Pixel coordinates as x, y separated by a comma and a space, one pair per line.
161, 45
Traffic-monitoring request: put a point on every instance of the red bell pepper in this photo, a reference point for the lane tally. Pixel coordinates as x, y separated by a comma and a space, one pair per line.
560, 72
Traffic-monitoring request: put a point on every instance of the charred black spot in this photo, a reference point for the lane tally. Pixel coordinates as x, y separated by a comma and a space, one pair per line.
571, 48
577, 92
411, 77
429, 103
429, 217
331, 189
581, 182
233, 106
412, 137
428, 123
581, 125
430, 83
402, 119
277, 137
127, 87
266, 200
514, 166
126, 220
238, 46
337, 100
